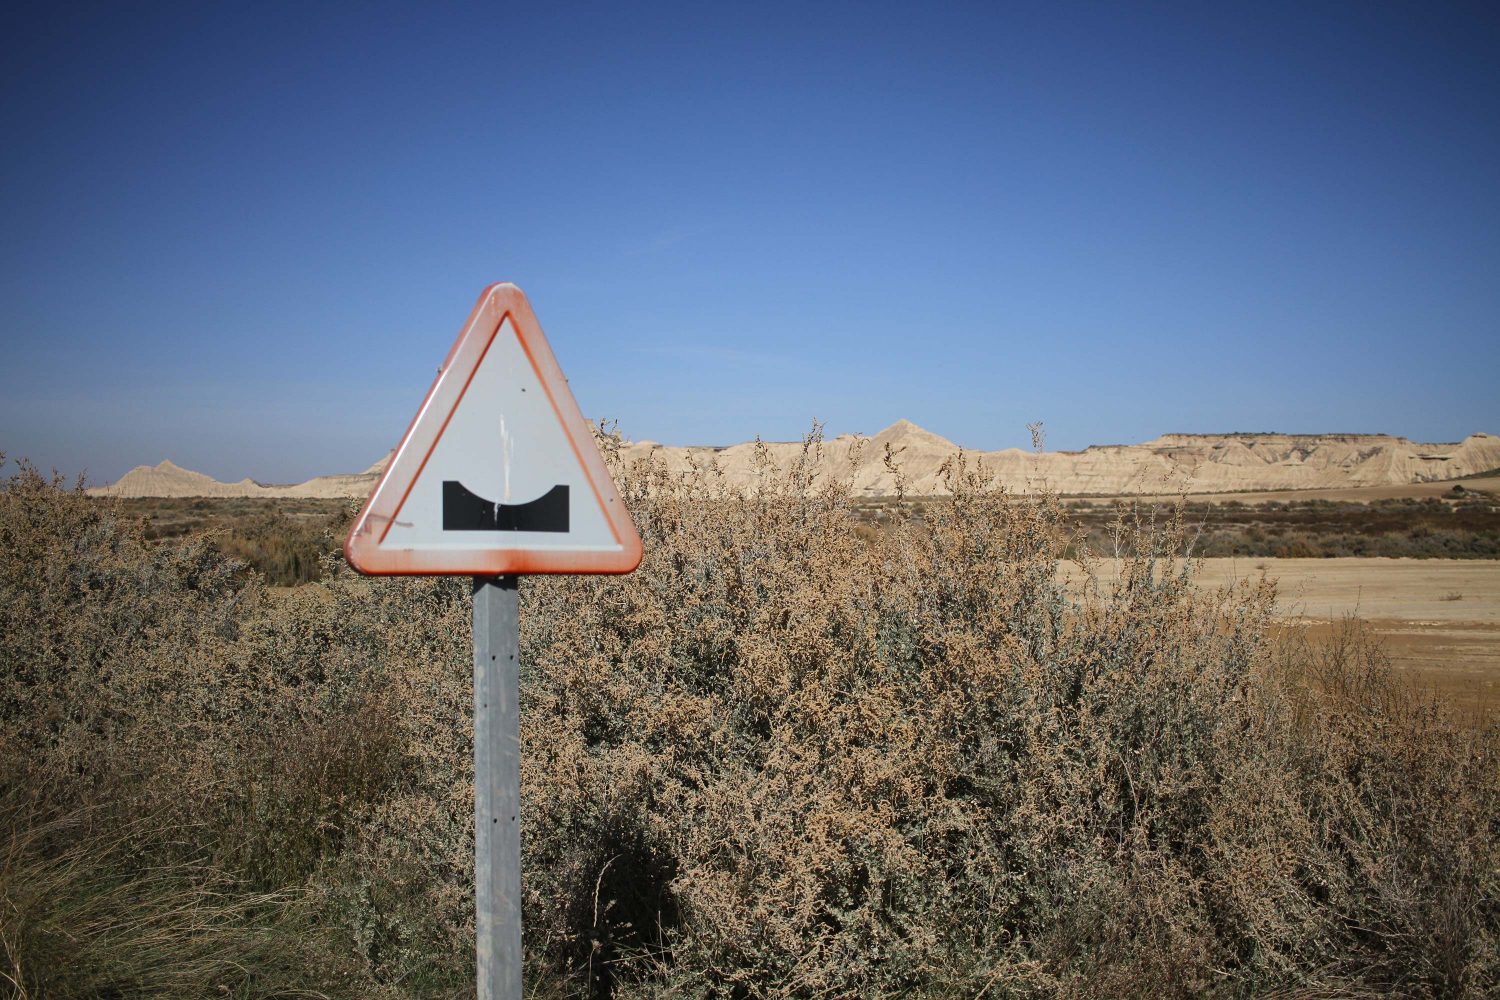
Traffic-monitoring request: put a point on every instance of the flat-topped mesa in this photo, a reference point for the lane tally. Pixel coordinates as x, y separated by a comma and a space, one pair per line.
1366, 459
1281, 436
1197, 463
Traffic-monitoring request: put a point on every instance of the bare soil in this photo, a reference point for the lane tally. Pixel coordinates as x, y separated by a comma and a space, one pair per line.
1437, 619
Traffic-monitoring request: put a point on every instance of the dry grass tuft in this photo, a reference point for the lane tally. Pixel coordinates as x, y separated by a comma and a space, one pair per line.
92, 908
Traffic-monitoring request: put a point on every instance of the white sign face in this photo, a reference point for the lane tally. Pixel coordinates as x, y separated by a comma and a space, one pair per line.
498, 473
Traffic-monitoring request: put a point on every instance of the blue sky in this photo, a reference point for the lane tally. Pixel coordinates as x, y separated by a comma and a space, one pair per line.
243, 236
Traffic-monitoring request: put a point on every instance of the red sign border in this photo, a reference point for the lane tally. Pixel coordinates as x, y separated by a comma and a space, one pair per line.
363, 546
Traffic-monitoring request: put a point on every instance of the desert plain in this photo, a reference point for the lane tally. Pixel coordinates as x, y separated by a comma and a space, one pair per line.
1254, 497
829, 689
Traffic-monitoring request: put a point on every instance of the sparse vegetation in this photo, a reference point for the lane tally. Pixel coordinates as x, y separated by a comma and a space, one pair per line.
788, 757
285, 541
1465, 526
1412, 529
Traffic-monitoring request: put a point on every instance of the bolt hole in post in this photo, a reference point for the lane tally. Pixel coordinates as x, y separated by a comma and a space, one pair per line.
497, 788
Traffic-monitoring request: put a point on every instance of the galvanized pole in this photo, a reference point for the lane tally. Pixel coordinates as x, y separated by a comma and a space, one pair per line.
497, 787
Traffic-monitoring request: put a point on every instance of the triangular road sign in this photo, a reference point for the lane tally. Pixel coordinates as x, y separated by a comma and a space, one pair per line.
498, 473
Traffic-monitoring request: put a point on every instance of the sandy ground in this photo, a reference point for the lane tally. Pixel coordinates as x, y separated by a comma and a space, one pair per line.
1438, 618
1427, 591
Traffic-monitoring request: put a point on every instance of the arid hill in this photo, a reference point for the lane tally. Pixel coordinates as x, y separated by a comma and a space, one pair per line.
1197, 463
169, 480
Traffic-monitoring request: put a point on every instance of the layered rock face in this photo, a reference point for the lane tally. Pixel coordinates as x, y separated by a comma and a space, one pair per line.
1197, 463
168, 480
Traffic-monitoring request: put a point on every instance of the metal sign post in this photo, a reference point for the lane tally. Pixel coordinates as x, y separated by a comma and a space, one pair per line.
497, 787
497, 475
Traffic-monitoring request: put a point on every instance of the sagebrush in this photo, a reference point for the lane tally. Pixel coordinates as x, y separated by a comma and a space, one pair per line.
788, 757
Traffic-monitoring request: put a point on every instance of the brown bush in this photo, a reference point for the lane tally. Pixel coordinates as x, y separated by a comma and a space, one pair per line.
784, 758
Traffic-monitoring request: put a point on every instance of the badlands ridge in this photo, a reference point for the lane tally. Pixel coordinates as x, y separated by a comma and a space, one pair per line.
1197, 463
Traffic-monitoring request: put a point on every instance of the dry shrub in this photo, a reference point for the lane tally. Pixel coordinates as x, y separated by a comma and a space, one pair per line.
800, 761
156, 689
285, 550
785, 758
1361, 839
